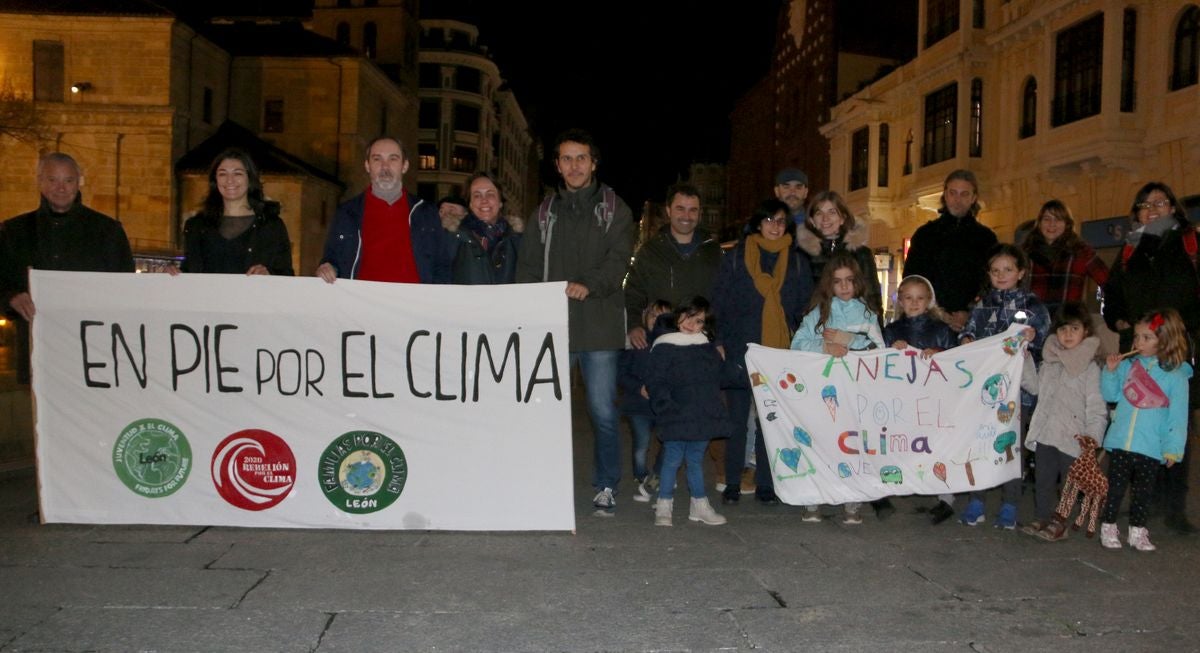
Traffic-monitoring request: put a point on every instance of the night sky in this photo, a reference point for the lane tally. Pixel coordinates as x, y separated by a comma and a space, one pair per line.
653, 80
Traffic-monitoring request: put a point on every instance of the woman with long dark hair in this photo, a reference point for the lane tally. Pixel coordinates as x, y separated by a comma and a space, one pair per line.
237, 231
1060, 263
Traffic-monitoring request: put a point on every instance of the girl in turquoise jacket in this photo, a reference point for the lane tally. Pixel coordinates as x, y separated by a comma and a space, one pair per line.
1150, 425
839, 321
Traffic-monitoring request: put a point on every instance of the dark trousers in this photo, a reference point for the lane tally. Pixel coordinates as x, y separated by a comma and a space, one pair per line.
1126, 468
1051, 465
735, 452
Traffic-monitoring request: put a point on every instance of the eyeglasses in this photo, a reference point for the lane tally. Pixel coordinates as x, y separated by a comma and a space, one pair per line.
775, 219
1157, 204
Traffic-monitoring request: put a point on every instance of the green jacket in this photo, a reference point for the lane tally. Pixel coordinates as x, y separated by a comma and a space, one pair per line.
577, 245
659, 271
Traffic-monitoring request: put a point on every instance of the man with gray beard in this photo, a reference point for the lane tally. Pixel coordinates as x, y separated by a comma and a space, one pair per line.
384, 234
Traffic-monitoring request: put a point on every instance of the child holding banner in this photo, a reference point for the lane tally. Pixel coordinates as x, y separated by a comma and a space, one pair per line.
1007, 302
685, 392
922, 327
1069, 404
1150, 425
839, 321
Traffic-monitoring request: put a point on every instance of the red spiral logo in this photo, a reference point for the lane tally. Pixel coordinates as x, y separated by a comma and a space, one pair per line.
253, 469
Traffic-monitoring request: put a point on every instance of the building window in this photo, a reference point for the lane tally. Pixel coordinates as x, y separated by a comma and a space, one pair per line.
49, 84
1077, 71
1186, 54
430, 115
206, 106
941, 20
463, 159
370, 39
273, 116
1028, 109
882, 173
427, 156
977, 15
941, 121
860, 147
342, 4
431, 75
468, 79
975, 146
466, 118
342, 34
1128, 43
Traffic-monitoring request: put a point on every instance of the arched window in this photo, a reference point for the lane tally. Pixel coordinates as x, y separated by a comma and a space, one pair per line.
1187, 49
342, 34
1028, 109
370, 36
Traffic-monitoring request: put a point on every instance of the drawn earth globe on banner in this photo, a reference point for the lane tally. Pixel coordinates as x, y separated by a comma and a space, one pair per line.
362, 471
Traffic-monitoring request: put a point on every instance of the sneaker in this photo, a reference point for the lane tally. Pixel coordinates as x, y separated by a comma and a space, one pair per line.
941, 512
730, 495
1179, 523
641, 494
1110, 536
852, 517
662, 512
811, 514
883, 508
973, 515
651, 483
1139, 538
604, 502
767, 497
702, 511
1007, 519
1054, 530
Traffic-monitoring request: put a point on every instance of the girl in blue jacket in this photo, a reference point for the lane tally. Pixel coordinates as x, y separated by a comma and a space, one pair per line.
1150, 425
839, 321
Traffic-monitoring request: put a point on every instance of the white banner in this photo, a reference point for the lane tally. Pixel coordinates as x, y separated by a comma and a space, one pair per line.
888, 422
289, 402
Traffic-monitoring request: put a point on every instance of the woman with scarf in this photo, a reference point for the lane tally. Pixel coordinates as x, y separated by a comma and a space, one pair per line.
1060, 262
487, 243
759, 296
1157, 268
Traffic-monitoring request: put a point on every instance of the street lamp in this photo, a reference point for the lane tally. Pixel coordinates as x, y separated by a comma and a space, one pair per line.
80, 87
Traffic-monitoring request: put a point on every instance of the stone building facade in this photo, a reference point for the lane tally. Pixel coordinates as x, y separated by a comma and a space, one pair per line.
1083, 101
469, 121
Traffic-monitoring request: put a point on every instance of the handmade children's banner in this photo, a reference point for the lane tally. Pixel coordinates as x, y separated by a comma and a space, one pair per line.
888, 421
290, 402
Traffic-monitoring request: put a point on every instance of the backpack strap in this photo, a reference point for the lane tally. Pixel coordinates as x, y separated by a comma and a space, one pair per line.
545, 215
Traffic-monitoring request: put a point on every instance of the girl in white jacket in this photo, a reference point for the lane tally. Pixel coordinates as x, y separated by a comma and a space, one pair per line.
1069, 403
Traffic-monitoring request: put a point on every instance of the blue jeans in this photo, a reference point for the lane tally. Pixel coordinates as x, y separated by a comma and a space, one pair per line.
676, 452
599, 370
640, 426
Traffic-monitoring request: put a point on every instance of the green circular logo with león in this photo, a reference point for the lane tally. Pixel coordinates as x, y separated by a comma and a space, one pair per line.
152, 458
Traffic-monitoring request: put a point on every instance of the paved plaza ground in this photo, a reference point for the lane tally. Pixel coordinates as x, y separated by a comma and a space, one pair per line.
764, 582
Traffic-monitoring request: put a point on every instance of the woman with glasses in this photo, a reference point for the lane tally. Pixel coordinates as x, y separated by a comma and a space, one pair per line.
759, 296
1156, 269
1060, 263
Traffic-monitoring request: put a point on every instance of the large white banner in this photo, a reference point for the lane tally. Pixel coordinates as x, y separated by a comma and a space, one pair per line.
289, 402
887, 422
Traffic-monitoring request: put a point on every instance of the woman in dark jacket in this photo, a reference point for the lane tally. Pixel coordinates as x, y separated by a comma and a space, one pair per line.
1060, 262
759, 296
1157, 269
487, 242
237, 231
831, 228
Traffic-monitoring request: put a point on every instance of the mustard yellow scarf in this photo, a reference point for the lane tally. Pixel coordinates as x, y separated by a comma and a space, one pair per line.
775, 332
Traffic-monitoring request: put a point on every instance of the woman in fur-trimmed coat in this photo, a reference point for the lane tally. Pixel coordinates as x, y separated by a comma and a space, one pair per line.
831, 228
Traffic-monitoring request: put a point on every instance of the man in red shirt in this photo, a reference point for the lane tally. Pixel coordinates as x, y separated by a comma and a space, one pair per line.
383, 233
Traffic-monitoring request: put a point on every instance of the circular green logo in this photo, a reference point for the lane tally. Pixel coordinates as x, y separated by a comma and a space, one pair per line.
362, 472
152, 458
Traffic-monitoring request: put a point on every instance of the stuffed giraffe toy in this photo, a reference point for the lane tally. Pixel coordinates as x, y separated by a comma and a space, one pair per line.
1083, 476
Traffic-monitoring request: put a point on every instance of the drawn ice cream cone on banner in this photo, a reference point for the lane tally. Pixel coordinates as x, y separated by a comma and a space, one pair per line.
829, 394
